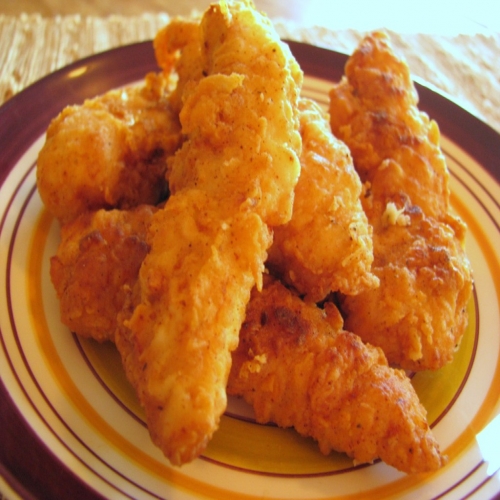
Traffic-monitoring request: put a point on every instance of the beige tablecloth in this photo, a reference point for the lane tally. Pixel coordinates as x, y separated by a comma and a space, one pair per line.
467, 67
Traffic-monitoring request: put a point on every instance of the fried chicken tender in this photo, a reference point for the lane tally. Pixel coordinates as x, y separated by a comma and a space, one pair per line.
246, 112
97, 262
297, 367
109, 152
419, 312
327, 245
233, 177
180, 35
374, 110
176, 347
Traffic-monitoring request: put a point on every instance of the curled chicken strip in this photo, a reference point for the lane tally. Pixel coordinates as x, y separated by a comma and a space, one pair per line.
418, 314
298, 368
233, 178
327, 245
96, 264
109, 152
179, 36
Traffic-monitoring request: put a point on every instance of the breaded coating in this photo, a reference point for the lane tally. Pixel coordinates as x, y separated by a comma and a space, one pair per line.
419, 312
374, 110
97, 261
327, 245
245, 113
194, 285
297, 367
233, 177
180, 36
110, 152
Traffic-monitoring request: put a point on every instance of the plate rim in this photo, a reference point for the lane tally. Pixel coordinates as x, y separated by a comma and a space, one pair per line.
84, 78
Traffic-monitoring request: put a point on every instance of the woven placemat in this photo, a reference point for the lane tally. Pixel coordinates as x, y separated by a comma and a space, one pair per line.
465, 67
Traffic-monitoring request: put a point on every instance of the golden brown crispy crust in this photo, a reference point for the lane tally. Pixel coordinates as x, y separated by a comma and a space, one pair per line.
110, 152
297, 367
97, 260
233, 176
373, 109
327, 245
419, 313
178, 51
191, 301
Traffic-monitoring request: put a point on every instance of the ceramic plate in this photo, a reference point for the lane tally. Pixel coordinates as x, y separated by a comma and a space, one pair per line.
70, 424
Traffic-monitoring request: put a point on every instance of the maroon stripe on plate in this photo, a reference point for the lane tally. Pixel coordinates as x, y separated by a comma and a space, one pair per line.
55, 471
484, 483
41, 472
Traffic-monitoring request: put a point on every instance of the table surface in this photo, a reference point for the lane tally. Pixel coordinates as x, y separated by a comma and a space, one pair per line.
438, 16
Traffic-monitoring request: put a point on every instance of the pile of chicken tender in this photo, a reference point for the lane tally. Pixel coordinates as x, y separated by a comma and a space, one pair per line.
231, 237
